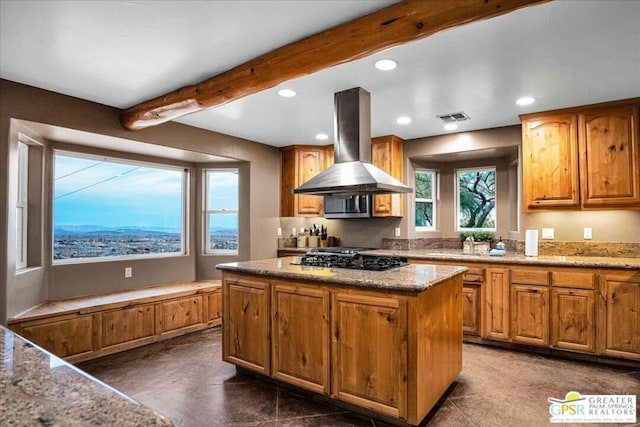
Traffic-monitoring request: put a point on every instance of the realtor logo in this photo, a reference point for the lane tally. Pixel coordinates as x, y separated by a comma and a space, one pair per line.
576, 408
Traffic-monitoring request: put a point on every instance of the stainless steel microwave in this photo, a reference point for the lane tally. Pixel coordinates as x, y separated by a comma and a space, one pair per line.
337, 207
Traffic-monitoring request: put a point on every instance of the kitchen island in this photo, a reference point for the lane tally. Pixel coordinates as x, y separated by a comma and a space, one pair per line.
386, 342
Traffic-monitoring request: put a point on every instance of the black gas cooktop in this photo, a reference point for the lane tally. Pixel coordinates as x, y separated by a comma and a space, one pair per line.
350, 258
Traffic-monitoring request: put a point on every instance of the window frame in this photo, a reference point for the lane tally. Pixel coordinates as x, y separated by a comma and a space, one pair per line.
492, 168
22, 206
433, 200
208, 212
184, 200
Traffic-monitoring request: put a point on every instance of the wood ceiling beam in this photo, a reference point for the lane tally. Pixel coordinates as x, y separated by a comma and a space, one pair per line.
394, 25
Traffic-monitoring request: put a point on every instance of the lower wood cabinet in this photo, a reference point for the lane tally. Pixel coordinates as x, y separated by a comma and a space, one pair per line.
300, 348
573, 315
64, 337
369, 352
497, 319
245, 338
530, 305
95, 328
530, 314
619, 315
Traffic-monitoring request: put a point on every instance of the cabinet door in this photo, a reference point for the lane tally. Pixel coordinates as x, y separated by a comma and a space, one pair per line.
619, 315
63, 338
497, 304
386, 153
301, 336
530, 314
180, 313
246, 315
610, 170
310, 162
126, 325
214, 307
471, 319
572, 319
369, 352
550, 162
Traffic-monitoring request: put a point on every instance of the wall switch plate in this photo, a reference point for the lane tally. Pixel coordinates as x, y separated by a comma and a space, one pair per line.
588, 233
548, 233
128, 272
397, 232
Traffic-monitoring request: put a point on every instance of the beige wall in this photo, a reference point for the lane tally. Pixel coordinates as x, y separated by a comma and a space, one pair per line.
259, 182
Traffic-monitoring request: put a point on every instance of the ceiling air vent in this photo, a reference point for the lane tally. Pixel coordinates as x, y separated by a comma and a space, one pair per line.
454, 117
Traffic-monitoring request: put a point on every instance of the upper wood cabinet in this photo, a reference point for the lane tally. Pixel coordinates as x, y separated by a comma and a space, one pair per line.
550, 162
583, 157
609, 171
300, 163
386, 153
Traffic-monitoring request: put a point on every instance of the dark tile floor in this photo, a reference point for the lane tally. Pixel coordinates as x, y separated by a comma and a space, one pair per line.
185, 379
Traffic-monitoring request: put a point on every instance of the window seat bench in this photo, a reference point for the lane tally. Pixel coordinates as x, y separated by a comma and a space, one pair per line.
84, 328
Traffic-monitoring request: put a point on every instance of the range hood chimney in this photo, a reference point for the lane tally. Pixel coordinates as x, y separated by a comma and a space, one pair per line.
352, 172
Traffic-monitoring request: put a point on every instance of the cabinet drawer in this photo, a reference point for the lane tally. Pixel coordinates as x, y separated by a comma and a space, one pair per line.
474, 275
573, 279
530, 277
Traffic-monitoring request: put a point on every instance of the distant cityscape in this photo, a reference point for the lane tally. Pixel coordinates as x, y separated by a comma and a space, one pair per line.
93, 242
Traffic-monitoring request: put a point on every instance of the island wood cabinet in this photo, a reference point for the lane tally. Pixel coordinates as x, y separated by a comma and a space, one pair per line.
299, 164
300, 334
246, 312
356, 345
386, 153
530, 306
369, 358
582, 158
619, 315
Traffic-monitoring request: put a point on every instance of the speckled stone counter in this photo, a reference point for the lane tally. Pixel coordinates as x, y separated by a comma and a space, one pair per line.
410, 278
39, 389
511, 258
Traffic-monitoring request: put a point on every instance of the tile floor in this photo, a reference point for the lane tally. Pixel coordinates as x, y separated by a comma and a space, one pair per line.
185, 379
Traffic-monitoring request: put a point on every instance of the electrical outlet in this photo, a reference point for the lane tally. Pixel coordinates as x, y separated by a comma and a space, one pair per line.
548, 233
588, 233
128, 272
397, 232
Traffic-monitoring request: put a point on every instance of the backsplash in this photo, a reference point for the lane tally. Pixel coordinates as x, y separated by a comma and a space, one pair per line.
599, 249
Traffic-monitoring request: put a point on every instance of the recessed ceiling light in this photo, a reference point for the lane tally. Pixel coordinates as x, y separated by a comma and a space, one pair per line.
322, 136
451, 126
287, 93
386, 64
525, 100
403, 120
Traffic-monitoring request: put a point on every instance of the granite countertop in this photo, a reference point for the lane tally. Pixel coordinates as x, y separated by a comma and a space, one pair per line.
410, 278
38, 388
511, 258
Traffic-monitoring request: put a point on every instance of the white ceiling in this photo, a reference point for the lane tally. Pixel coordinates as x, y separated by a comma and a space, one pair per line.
119, 53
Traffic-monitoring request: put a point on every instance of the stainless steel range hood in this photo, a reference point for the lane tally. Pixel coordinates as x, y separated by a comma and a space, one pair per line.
352, 172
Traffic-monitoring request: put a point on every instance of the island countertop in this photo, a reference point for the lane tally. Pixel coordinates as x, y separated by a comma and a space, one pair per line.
38, 388
409, 278
510, 258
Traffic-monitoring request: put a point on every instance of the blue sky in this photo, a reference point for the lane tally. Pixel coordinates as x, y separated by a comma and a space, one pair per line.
92, 191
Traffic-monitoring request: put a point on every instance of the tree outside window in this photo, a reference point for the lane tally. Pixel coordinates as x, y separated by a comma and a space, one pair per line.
476, 198
425, 214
